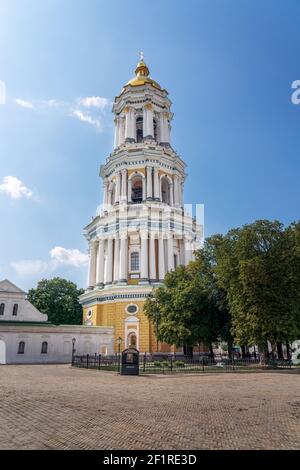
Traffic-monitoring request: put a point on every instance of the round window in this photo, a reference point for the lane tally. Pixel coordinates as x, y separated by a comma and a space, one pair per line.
132, 309
89, 314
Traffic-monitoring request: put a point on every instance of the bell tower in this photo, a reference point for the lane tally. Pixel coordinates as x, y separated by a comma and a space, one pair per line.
142, 230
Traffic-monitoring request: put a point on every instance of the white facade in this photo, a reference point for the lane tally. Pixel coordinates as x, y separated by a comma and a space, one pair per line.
26, 336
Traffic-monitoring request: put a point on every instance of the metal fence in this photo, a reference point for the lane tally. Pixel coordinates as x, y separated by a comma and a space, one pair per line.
170, 364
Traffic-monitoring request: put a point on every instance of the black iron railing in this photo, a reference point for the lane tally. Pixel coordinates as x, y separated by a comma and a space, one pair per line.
170, 364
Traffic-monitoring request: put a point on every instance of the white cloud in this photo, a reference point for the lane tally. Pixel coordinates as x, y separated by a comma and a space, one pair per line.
24, 104
69, 257
29, 267
14, 188
87, 118
59, 257
94, 101
90, 109
53, 103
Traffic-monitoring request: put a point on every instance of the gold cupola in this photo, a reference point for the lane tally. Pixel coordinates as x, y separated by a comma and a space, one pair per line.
142, 75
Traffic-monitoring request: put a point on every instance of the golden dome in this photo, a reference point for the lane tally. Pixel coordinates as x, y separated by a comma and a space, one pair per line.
142, 76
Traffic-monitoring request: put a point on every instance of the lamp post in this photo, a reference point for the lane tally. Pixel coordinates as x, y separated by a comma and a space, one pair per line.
119, 342
73, 349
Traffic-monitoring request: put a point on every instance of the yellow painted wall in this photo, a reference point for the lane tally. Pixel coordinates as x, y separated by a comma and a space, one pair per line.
114, 314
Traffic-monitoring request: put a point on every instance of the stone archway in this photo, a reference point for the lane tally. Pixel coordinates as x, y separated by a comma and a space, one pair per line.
2, 352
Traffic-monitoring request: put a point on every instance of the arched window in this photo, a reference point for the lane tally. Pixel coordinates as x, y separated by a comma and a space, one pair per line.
137, 189
44, 349
2, 307
139, 129
135, 261
15, 309
132, 340
165, 190
155, 130
21, 348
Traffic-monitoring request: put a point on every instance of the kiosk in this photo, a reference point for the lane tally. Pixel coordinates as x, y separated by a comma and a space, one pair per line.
130, 362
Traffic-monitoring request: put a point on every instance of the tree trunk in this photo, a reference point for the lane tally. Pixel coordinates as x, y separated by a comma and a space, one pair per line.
245, 351
279, 350
211, 350
188, 350
263, 352
229, 345
288, 351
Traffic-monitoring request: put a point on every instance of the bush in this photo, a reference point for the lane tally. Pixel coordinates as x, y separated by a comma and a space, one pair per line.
204, 360
179, 364
157, 363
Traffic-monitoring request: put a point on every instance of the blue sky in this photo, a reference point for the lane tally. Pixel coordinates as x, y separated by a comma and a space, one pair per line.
228, 67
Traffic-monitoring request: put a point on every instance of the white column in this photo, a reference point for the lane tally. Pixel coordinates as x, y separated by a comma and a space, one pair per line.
166, 128
162, 127
129, 190
105, 195
156, 184
152, 259
170, 253
123, 259
116, 139
133, 125
144, 188
100, 264
92, 264
176, 191
149, 182
118, 186
171, 194
145, 121
148, 129
144, 257
121, 130
116, 259
109, 259
161, 259
130, 127
124, 186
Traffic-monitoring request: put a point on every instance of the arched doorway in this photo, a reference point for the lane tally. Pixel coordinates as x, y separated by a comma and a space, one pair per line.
132, 340
2, 352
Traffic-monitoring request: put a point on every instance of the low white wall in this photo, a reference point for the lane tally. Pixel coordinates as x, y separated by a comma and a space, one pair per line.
89, 340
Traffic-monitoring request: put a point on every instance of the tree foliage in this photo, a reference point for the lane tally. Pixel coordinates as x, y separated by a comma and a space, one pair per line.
58, 298
257, 266
188, 306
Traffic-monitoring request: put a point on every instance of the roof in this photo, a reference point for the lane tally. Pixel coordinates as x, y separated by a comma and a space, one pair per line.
8, 286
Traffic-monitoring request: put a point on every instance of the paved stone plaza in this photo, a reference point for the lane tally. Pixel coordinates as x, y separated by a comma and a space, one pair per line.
56, 407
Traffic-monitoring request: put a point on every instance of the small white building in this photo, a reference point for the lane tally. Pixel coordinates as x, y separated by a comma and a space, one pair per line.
26, 336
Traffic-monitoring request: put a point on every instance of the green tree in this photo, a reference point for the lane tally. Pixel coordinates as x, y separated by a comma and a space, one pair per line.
257, 266
58, 298
187, 306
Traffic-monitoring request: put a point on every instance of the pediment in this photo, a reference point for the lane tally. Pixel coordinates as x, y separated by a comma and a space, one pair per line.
8, 286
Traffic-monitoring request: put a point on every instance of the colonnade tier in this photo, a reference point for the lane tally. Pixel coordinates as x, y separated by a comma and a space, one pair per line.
162, 188
155, 125
110, 260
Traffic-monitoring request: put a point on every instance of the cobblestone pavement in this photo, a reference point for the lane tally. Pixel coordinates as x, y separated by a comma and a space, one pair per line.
56, 407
